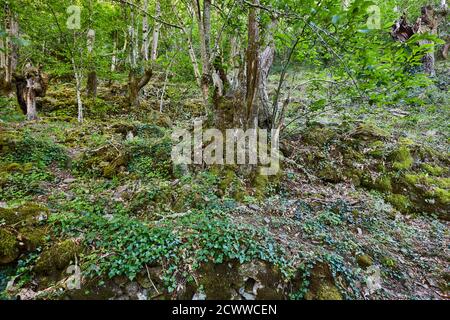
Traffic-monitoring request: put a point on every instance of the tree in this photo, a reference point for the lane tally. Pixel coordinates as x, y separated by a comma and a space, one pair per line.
8, 48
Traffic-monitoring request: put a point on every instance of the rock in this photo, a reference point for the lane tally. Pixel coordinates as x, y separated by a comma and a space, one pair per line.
322, 285
9, 247
199, 296
57, 257
69, 180
364, 261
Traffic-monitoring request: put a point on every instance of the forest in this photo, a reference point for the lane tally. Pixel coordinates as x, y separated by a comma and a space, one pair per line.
224, 150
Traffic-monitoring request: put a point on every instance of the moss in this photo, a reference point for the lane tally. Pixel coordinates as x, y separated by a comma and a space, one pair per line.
402, 158
368, 131
33, 237
383, 184
25, 213
57, 257
329, 173
228, 177
354, 175
364, 261
328, 291
400, 202
423, 179
322, 286
376, 149
260, 183
318, 136
433, 170
9, 250
441, 195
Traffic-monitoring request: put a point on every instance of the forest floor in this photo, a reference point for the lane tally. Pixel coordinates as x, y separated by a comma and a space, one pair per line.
360, 210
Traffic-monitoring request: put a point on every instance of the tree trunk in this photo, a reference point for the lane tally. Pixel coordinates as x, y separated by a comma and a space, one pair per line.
135, 84
252, 67
114, 53
235, 105
91, 88
266, 60
92, 84
31, 100
33, 83
145, 32
10, 55
204, 27
156, 32
428, 22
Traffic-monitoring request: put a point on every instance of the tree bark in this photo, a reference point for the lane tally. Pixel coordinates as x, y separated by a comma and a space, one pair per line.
428, 22
204, 27
33, 83
91, 87
252, 67
10, 56
136, 83
145, 32
156, 31
266, 61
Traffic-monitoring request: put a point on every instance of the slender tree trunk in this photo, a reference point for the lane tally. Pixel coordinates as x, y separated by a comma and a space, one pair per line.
204, 26
145, 32
114, 53
193, 58
78, 82
10, 55
92, 75
266, 60
31, 100
156, 32
253, 67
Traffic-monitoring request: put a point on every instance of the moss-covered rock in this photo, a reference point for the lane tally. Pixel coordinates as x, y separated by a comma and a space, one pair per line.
402, 158
322, 285
368, 132
400, 202
57, 257
329, 173
9, 249
318, 135
383, 183
434, 170
364, 261
260, 184
26, 214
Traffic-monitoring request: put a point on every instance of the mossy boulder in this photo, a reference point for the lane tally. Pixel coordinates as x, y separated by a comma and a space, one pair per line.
9, 247
368, 132
434, 170
319, 135
260, 184
400, 202
322, 285
364, 260
329, 173
57, 257
401, 158
28, 213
